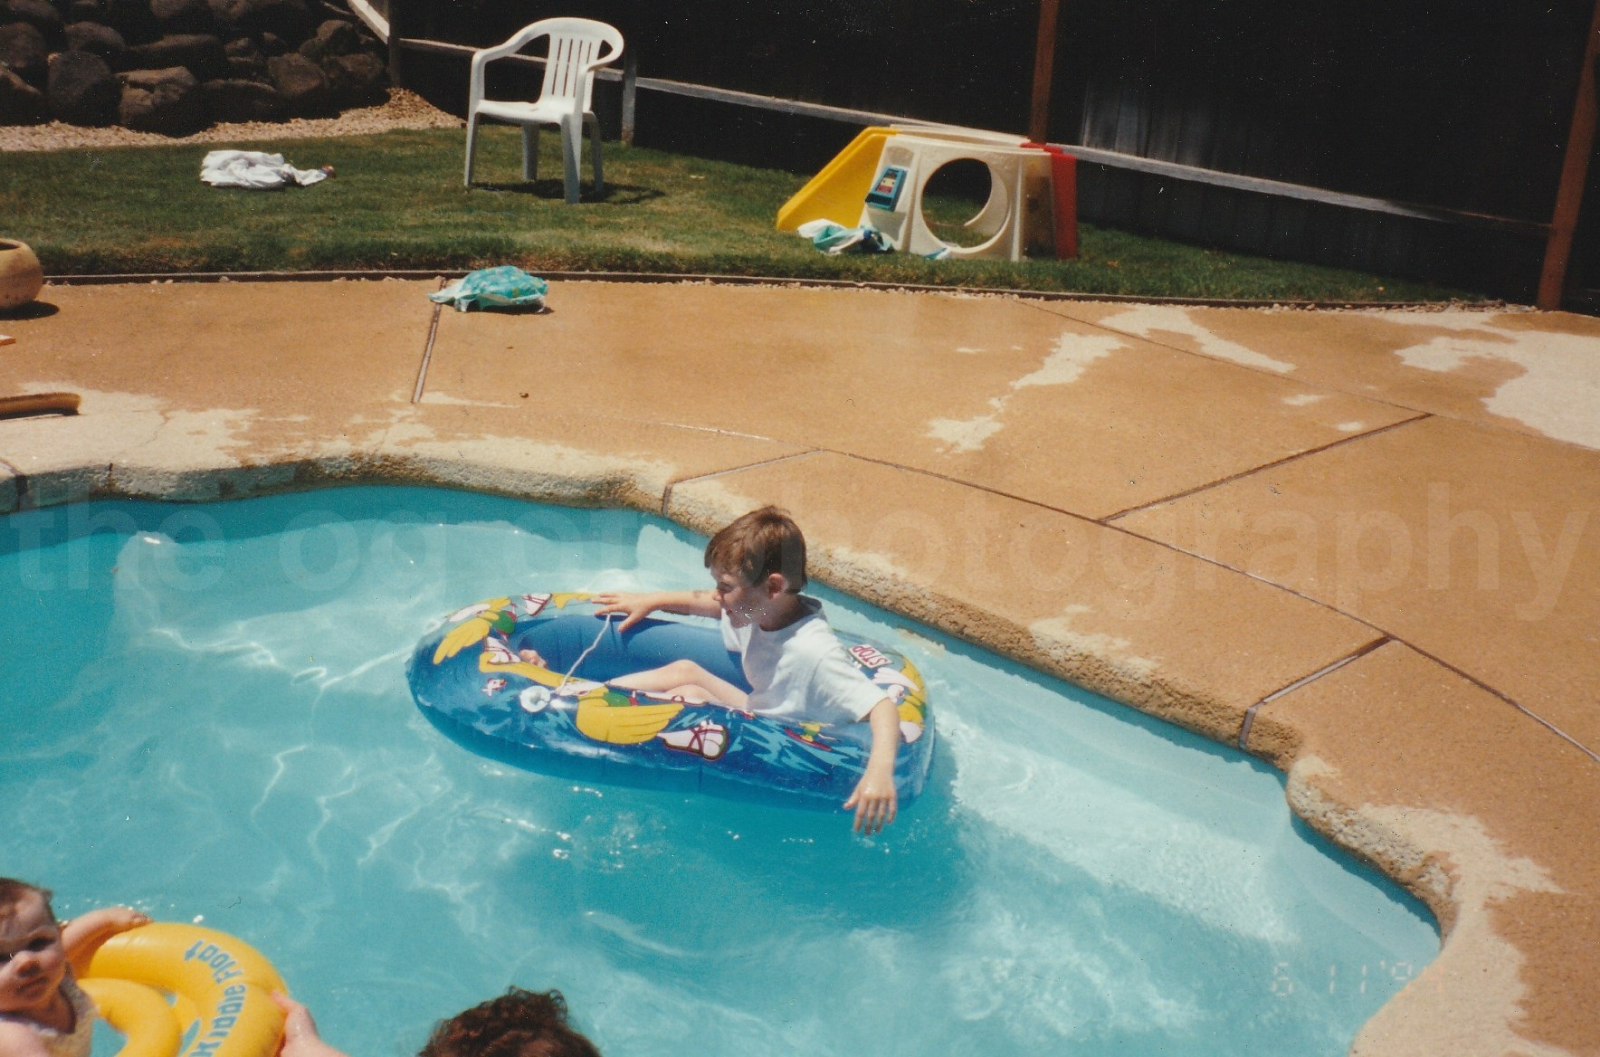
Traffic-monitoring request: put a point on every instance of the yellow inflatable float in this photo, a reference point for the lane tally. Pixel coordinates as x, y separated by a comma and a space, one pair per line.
220, 987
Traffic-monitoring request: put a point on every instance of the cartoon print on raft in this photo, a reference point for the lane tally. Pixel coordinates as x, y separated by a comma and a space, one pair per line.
600, 711
615, 717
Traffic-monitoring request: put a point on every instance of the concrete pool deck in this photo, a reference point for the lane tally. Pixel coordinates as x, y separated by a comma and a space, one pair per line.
1358, 544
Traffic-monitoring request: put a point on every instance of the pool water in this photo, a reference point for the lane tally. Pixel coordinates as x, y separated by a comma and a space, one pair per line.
205, 715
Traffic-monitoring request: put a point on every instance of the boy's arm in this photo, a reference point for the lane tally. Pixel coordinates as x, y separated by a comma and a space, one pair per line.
639, 606
84, 934
874, 798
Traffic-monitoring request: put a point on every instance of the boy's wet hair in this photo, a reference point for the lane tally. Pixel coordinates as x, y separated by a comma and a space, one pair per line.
517, 1024
13, 892
758, 544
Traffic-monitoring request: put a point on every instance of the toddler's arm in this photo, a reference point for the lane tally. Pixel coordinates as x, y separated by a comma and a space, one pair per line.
874, 798
639, 606
19, 1040
84, 934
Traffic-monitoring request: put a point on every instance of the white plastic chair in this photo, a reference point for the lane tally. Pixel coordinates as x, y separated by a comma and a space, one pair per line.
576, 52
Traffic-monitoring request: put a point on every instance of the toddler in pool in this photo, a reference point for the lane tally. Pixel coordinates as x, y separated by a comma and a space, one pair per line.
43, 1012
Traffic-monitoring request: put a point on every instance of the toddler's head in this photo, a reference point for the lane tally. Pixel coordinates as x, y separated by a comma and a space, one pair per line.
517, 1024
32, 961
14, 894
758, 544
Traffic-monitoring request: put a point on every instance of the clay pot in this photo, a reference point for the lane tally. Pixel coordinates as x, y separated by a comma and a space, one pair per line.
21, 278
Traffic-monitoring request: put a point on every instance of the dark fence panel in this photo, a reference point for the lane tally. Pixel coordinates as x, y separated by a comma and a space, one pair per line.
1462, 105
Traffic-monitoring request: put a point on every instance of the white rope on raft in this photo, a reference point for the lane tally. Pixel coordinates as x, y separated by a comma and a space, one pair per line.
605, 626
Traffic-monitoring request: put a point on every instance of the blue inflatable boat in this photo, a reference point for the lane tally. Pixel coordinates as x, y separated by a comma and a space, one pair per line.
561, 718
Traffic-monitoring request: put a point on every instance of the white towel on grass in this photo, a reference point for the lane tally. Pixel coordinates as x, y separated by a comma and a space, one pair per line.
254, 170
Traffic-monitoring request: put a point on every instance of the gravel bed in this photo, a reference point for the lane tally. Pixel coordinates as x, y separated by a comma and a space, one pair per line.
403, 110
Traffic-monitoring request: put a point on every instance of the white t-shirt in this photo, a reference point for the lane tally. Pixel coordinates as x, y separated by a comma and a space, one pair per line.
801, 672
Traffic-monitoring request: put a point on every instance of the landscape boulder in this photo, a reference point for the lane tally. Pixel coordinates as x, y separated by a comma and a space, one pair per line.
200, 53
234, 100
304, 87
246, 68
24, 51
333, 37
20, 102
131, 18
99, 39
356, 80
250, 60
165, 101
287, 19
40, 14
245, 60
184, 16
81, 89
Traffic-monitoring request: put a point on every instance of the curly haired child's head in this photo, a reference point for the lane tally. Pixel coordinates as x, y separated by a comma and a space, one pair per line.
517, 1024
758, 544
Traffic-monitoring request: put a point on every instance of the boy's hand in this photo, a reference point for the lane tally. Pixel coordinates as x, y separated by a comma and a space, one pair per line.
636, 607
874, 800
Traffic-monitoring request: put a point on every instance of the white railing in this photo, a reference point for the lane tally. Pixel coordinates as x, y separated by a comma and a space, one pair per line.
375, 13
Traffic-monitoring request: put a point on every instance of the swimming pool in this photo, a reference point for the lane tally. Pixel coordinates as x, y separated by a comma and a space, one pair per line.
205, 715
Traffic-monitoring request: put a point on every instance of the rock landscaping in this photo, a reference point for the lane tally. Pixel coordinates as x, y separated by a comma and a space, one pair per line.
174, 67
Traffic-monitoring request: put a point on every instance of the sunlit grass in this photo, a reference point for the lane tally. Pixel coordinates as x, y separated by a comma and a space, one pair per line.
398, 203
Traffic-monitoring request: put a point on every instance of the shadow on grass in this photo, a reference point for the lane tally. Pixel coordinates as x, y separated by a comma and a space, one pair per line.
556, 191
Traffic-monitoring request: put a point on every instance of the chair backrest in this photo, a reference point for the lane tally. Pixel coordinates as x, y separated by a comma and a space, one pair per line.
578, 47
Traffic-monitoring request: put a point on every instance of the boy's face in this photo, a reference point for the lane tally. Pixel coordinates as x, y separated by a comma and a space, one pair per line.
744, 603
32, 960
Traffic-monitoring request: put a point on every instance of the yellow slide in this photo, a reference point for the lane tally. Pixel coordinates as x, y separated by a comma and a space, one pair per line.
837, 192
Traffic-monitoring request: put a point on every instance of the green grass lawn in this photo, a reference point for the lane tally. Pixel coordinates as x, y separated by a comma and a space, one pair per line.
398, 203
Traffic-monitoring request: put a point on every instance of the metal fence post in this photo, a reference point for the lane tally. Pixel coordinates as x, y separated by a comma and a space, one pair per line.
630, 91
1044, 60
398, 12
1574, 172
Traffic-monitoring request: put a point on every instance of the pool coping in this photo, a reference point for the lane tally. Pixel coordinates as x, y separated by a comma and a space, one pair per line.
1465, 1002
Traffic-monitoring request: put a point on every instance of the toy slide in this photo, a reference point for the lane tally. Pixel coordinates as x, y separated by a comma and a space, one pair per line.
877, 183
836, 192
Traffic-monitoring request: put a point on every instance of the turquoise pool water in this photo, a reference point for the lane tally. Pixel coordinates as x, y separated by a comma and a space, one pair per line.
205, 715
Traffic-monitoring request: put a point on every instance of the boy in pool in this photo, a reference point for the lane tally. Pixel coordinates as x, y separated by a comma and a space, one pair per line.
43, 1012
796, 666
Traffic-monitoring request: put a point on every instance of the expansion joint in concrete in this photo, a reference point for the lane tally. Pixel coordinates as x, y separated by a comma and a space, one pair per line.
1273, 465
427, 352
1305, 680
1503, 696
20, 481
666, 494
963, 482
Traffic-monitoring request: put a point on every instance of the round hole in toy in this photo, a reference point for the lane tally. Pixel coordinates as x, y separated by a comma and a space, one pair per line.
958, 199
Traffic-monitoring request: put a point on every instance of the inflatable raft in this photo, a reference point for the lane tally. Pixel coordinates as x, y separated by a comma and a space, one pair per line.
561, 718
